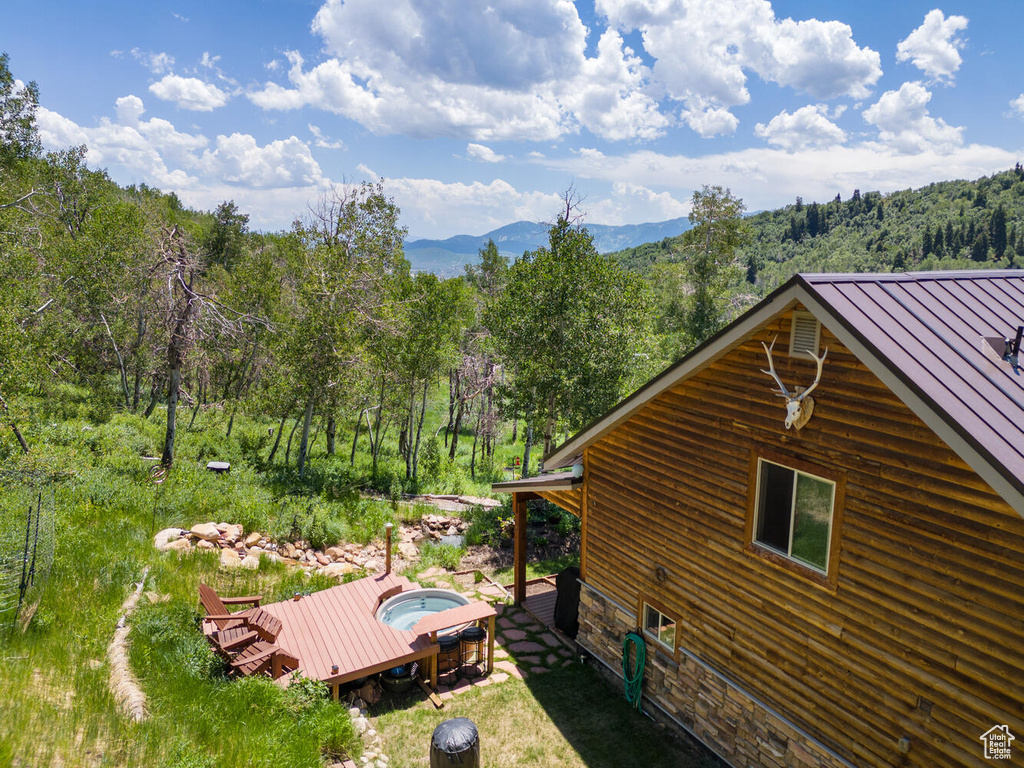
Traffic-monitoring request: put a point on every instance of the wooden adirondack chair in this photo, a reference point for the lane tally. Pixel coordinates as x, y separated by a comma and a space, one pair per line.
262, 657
247, 654
268, 627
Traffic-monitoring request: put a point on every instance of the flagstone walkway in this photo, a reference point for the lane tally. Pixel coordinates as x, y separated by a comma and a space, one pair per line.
522, 647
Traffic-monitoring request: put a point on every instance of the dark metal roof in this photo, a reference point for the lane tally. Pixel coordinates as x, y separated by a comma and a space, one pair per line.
930, 328
922, 333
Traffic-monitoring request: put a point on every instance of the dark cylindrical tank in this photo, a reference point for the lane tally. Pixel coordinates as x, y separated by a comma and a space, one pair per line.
455, 742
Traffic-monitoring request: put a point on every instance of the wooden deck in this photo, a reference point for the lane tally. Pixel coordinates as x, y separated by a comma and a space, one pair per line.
337, 626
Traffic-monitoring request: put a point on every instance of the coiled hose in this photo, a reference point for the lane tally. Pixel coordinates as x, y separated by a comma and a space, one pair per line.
633, 676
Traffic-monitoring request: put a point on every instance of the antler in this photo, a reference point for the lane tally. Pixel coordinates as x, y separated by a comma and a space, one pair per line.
771, 371
819, 361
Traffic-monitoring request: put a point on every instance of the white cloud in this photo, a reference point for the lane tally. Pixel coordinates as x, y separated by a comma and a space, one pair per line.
323, 141
935, 46
904, 124
189, 93
808, 127
238, 159
486, 73
1017, 105
703, 49
707, 120
483, 154
157, 63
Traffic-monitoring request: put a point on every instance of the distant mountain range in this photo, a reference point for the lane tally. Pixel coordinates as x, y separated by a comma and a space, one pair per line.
448, 257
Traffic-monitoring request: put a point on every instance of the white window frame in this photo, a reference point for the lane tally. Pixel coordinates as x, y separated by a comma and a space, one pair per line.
758, 511
663, 620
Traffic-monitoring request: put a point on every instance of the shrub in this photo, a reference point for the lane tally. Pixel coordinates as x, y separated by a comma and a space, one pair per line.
444, 556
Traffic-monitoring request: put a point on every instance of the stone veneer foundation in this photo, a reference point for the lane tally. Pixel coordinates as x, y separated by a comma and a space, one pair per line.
689, 694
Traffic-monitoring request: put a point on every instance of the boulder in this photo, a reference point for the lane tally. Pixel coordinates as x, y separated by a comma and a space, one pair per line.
179, 545
322, 559
250, 562
206, 532
167, 536
409, 551
229, 559
204, 544
338, 570
335, 553
370, 565
253, 539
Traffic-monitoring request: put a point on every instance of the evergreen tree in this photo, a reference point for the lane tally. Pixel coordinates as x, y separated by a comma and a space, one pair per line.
997, 229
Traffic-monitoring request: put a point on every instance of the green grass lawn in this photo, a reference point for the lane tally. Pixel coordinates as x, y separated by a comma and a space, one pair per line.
562, 719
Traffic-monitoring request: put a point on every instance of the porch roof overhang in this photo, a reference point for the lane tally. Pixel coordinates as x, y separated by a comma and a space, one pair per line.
556, 481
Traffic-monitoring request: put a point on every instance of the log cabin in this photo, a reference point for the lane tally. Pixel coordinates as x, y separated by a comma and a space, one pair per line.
840, 588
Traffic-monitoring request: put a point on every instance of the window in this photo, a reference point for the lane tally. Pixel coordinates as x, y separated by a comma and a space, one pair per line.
660, 627
794, 514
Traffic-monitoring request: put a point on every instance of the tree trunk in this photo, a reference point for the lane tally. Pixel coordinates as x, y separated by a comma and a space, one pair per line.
472, 458
120, 362
173, 392
549, 424
288, 450
193, 419
515, 431
277, 441
406, 436
453, 396
455, 429
154, 391
526, 452
331, 427
14, 427
304, 443
419, 431
355, 439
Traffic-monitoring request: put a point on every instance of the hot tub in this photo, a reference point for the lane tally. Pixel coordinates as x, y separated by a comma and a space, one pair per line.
403, 610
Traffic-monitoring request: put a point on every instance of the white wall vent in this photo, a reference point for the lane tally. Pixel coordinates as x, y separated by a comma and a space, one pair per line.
805, 335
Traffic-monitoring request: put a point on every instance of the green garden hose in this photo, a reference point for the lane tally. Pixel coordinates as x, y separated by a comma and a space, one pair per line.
633, 679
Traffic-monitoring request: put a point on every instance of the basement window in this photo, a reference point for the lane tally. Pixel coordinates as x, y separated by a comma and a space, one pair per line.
660, 627
794, 514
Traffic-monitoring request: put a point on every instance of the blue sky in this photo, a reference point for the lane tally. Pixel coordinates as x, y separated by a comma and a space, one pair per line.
479, 115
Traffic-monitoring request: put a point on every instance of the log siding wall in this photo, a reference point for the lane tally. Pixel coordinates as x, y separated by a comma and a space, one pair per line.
922, 634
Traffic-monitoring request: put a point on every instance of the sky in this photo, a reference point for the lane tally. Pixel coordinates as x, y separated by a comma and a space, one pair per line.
479, 114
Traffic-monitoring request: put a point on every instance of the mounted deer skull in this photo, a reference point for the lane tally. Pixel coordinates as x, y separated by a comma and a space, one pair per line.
799, 405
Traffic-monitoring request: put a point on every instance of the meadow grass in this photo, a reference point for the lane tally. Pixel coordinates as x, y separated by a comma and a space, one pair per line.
54, 694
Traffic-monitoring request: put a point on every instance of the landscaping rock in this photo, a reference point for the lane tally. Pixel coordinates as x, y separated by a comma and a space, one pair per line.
338, 570
229, 559
206, 532
371, 565
167, 536
204, 544
409, 551
335, 553
253, 539
288, 550
322, 559
250, 562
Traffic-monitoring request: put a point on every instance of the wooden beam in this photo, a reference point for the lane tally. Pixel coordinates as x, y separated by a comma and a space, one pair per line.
519, 556
433, 660
490, 645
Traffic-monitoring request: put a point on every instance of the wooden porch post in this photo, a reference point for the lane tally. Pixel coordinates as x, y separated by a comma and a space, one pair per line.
519, 555
433, 663
490, 645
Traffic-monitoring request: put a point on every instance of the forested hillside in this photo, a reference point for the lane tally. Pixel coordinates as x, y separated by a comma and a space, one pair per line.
947, 225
